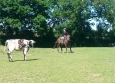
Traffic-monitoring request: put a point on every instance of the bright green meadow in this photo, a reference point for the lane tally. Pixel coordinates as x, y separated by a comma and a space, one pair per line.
46, 65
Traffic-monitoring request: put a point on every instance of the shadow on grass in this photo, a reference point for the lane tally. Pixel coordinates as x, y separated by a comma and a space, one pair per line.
27, 60
66, 52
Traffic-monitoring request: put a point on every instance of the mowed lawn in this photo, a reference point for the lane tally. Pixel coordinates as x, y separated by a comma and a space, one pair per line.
46, 65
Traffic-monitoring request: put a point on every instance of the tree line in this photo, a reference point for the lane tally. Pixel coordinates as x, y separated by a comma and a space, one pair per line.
44, 20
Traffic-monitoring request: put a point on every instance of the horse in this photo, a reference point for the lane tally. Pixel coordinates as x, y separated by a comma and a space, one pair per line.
66, 42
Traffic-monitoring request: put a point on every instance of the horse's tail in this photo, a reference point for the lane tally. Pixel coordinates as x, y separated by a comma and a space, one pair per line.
55, 45
57, 42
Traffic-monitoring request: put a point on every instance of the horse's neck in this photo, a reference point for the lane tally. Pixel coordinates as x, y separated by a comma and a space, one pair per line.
66, 38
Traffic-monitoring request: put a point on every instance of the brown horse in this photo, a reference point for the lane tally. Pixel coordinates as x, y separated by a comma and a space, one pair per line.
60, 43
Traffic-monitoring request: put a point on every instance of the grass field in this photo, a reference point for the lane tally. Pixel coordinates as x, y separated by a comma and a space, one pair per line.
46, 65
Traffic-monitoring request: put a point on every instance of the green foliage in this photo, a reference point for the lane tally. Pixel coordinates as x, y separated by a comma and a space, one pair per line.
105, 9
22, 17
73, 14
24, 14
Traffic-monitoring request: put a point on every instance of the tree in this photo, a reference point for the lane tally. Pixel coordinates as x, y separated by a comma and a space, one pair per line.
24, 15
74, 15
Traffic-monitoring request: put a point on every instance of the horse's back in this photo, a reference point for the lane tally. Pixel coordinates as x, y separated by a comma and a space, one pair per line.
58, 40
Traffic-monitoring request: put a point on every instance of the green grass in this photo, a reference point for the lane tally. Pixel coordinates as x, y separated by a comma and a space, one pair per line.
46, 65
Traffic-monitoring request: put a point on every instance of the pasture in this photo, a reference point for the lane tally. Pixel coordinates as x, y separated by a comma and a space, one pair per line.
46, 65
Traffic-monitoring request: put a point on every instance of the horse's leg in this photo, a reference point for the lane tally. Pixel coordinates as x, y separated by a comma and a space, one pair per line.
70, 47
58, 47
66, 48
61, 49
